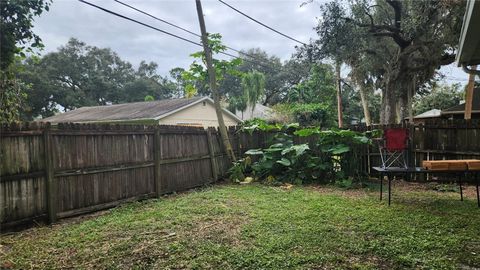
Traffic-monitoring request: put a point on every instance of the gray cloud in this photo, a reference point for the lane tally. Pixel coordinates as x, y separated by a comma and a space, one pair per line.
69, 18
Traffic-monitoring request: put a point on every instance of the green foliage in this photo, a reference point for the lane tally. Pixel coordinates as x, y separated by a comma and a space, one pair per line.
261, 227
16, 39
445, 187
12, 97
236, 173
417, 36
238, 103
317, 87
326, 156
344, 183
307, 114
80, 75
253, 84
439, 97
190, 91
16, 27
198, 73
149, 98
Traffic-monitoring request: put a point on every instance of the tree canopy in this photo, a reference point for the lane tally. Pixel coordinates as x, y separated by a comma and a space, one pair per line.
395, 46
440, 97
16, 38
80, 75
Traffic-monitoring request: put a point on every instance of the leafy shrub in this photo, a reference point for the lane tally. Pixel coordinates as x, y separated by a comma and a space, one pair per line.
301, 155
307, 114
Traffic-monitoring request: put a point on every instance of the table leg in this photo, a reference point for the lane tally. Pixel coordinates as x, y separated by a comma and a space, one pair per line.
460, 184
478, 196
389, 188
381, 186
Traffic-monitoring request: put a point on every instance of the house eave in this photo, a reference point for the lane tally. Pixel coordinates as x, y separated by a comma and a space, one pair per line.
193, 104
469, 45
458, 112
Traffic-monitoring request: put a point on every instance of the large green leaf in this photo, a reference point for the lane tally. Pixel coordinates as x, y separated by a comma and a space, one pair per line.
300, 149
253, 152
305, 132
339, 149
270, 150
284, 162
362, 139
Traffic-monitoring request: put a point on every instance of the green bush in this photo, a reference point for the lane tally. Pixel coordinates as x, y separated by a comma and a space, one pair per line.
307, 114
301, 155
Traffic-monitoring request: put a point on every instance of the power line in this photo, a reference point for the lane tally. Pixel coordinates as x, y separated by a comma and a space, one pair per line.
168, 33
149, 26
262, 24
186, 30
158, 19
141, 23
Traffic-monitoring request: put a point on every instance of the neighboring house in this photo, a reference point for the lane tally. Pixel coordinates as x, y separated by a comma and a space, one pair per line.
197, 111
260, 111
431, 114
458, 111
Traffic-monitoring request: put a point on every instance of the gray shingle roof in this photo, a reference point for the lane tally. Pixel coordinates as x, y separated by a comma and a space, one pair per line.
126, 111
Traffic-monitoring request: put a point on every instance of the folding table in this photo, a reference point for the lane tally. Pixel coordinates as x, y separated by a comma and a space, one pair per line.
392, 171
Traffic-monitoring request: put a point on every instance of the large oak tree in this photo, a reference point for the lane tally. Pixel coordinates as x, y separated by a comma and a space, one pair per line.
399, 45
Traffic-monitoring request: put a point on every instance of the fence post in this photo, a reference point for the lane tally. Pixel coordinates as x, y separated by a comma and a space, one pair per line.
212, 155
157, 147
51, 190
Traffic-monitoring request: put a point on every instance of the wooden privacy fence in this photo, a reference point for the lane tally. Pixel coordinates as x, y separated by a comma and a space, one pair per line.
48, 173
433, 140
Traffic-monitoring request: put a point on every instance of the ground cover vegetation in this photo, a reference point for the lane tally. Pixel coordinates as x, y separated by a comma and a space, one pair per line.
295, 154
262, 227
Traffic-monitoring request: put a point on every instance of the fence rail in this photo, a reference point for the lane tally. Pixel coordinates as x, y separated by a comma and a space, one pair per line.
434, 140
48, 173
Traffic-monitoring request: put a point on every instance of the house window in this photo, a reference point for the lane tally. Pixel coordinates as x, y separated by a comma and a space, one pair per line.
204, 103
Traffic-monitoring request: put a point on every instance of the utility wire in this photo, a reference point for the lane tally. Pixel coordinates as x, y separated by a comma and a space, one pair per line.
168, 33
262, 24
149, 26
190, 32
141, 23
158, 19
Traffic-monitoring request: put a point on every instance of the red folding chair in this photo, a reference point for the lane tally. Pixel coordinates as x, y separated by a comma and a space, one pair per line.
393, 149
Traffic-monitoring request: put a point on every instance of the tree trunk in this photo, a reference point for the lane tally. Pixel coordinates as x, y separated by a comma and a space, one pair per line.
388, 111
213, 84
366, 111
411, 92
339, 94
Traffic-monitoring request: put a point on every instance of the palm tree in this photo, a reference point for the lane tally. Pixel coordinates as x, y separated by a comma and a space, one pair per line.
253, 84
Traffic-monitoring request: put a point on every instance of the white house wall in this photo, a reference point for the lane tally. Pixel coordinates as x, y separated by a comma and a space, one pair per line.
201, 114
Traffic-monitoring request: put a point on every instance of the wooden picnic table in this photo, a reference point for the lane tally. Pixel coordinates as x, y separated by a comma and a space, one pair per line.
457, 167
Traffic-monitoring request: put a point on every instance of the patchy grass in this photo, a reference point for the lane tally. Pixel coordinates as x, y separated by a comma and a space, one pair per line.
260, 227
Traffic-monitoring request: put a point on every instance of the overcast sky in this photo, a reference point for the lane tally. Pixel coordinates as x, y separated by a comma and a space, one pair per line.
133, 42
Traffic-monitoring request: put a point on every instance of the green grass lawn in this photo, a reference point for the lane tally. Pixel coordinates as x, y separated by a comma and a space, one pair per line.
261, 227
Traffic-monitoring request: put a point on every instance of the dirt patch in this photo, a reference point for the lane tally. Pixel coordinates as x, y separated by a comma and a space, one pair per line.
469, 191
359, 193
222, 230
369, 260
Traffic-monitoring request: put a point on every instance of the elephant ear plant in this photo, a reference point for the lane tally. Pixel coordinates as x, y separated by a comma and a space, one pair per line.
301, 155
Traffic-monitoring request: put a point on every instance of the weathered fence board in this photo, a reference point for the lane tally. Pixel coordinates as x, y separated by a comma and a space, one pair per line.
434, 140
48, 173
